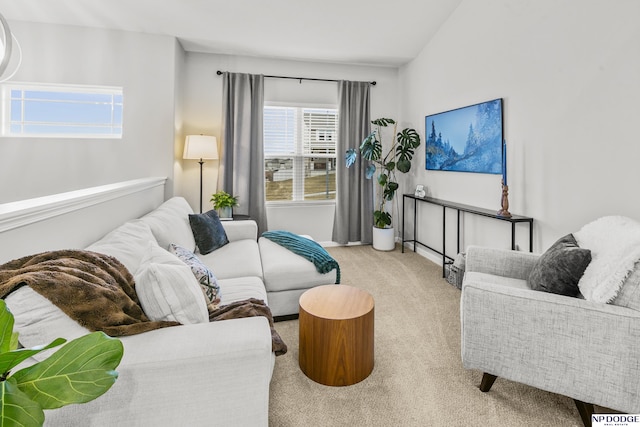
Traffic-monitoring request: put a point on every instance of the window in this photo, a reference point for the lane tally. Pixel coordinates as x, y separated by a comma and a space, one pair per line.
300, 153
61, 111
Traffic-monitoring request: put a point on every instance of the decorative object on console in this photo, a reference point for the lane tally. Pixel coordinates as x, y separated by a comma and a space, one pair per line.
465, 139
224, 203
200, 147
398, 157
420, 191
504, 198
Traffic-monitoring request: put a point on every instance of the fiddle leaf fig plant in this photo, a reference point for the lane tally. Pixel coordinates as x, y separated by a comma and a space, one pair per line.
398, 158
80, 371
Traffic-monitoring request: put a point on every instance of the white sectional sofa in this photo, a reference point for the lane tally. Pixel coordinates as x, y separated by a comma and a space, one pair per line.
205, 374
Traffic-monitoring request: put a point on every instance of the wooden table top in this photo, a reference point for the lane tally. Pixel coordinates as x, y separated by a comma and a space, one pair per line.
336, 302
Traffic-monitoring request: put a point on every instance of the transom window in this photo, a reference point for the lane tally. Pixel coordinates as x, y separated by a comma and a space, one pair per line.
72, 111
300, 153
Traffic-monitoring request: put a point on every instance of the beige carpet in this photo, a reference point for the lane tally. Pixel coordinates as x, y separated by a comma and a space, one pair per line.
418, 378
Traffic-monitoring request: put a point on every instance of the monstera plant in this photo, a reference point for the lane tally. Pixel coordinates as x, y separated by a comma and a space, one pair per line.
80, 371
384, 167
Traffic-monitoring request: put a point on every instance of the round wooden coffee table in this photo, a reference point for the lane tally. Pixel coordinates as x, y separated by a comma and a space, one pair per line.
336, 334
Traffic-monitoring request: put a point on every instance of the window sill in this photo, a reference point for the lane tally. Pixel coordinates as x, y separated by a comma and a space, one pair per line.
300, 204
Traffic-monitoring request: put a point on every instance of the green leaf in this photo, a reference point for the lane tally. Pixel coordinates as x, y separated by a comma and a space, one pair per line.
409, 138
79, 372
382, 179
404, 165
390, 166
390, 190
350, 157
371, 148
381, 219
370, 171
383, 122
13, 358
14, 341
6, 327
16, 409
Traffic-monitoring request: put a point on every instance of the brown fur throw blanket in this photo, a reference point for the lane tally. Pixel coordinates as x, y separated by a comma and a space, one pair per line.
95, 290
98, 292
249, 308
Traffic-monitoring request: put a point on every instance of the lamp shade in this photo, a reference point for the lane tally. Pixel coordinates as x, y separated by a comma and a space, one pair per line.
200, 147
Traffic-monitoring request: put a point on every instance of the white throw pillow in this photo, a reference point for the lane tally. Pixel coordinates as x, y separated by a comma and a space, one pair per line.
39, 321
614, 242
170, 223
168, 290
629, 295
127, 243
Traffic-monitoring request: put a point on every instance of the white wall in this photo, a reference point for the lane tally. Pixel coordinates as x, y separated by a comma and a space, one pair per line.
569, 73
202, 113
142, 64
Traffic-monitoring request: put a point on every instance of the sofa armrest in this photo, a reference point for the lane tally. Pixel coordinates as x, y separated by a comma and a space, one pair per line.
214, 373
581, 349
238, 230
501, 262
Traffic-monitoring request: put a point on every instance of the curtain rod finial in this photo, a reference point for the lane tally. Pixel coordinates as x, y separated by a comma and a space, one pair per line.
219, 72
373, 83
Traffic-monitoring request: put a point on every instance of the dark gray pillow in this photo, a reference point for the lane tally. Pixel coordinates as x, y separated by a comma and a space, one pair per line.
208, 231
559, 269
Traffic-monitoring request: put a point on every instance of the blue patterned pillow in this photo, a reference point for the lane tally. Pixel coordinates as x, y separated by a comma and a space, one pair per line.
204, 275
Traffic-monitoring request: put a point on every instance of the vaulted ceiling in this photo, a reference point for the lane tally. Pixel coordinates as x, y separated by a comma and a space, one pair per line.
372, 32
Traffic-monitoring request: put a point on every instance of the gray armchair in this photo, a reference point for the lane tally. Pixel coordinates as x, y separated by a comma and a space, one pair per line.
584, 350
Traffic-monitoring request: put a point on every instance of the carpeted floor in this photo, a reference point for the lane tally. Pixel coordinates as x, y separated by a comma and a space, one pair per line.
418, 378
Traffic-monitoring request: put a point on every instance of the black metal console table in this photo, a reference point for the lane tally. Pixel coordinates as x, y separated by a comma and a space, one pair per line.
514, 219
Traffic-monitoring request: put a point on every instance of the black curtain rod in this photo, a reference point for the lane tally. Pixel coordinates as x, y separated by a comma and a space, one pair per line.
373, 83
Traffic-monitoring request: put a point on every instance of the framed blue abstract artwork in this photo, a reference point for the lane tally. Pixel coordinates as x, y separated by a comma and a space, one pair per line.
467, 139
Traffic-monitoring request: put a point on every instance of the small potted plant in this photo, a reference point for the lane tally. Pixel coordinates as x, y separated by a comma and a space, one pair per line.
399, 156
224, 203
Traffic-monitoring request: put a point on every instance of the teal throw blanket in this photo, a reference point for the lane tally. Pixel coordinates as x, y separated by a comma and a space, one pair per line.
306, 248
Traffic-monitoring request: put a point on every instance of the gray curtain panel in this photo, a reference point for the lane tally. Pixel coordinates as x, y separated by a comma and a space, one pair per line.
241, 170
354, 193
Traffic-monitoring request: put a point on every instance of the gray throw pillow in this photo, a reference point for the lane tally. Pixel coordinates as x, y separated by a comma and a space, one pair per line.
208, 231
560, 268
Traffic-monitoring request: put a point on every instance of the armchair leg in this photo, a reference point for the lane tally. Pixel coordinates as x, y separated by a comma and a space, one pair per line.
487, 382
585, 410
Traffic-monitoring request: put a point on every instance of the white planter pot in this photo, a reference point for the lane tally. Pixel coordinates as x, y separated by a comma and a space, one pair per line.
225, 212
384, 239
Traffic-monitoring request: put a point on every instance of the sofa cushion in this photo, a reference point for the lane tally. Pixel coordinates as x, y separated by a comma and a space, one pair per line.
203, 275
128, 243
235, 259
208, 231
168, 290
170, 223
241, 288
39, 321
284, 270
560, 268
477, 277
629, 295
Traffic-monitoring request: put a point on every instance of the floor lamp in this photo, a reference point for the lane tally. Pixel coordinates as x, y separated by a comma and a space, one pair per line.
200, 147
